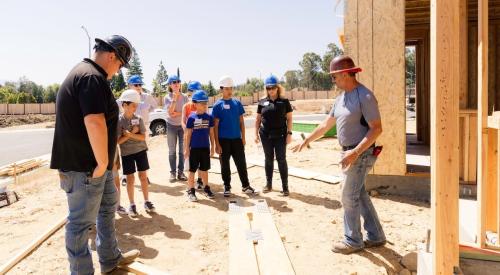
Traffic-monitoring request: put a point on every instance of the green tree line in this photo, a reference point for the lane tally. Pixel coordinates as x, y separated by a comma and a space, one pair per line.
27, 91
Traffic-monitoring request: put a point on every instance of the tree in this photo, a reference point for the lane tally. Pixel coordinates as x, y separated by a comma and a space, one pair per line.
25, 98
50, 93
209, 88
332, 52
135, 65
29, 87
292, 79
311, 65
117, 82
410, 66
251, 86
161, 76
8, 94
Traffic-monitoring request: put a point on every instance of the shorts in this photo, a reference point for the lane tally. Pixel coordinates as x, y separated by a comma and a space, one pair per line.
140, 159
199, 158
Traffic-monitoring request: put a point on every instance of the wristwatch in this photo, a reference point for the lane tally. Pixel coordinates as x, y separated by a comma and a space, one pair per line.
289, 132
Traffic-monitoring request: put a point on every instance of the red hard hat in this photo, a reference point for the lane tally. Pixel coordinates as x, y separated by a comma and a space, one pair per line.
343, 64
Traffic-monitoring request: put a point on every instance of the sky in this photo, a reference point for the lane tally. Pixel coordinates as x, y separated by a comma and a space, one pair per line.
43, 40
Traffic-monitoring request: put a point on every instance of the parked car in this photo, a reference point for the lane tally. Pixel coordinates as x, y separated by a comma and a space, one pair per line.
158, 121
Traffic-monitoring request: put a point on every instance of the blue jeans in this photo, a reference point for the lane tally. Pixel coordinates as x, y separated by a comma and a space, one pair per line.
175, 134
356, 203
89, 199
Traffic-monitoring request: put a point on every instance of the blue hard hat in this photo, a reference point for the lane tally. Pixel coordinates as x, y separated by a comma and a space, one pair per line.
271, 81
194, 85
135, 79
200, 96
172, 79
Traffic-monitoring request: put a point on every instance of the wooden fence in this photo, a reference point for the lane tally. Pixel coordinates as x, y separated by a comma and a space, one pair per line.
25, 109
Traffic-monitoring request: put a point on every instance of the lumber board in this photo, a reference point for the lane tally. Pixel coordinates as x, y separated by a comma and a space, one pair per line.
445, 89
139, 268
271, 252
491, 183
332, 179
301, 173
242, 258
32, 246
497, 179
482, 113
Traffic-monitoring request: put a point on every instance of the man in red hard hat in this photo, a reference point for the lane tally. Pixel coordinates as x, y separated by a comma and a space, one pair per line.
356, 114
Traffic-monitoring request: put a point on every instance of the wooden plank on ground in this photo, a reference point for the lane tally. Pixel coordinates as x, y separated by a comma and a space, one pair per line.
332, 179
242, 258
301, 173
271, 253
142, 269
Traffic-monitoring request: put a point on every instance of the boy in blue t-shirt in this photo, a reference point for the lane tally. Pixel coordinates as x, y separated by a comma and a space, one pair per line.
230, 136
199, 144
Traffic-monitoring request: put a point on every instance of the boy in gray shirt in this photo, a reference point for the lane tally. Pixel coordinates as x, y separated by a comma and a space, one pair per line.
133, 148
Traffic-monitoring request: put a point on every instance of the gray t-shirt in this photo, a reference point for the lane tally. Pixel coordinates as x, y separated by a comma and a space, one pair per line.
348, 109
131, 146
178, 108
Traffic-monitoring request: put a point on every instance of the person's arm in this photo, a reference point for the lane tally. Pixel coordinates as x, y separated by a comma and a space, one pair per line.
183, 117
172, 103
258, 120
123, 138
189, 133
138, 136
318, 132
212, 141
289, 127
242, 128
218, 148
98, 137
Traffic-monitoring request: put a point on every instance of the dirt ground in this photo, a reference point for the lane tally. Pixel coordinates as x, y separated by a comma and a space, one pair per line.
23, 120
192, 238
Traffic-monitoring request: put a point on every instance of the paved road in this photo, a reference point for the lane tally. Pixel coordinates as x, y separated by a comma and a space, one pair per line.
23, 144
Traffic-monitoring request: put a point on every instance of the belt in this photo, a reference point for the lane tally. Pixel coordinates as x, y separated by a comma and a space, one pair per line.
347, 148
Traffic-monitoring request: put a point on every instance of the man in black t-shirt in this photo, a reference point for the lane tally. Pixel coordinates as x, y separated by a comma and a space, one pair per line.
83, 152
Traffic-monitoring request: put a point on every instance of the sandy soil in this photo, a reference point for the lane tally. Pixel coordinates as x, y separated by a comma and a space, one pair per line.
192, 238
26, 121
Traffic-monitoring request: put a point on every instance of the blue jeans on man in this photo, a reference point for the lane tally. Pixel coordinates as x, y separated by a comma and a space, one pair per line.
357, 202
175, 134
90, 199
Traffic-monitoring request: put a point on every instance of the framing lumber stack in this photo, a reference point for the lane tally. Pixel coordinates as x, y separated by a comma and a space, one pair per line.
255, 245
21, 167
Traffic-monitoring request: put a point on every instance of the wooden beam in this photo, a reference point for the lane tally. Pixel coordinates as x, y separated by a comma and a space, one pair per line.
482, 115
464, 27
445, 88
142, 269
491, 179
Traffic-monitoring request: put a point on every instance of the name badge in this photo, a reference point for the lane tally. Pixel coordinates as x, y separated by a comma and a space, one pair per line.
227, 106
198, 121
135, 121
266, 103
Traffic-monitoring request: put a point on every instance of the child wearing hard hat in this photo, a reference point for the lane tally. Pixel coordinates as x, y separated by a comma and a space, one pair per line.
199, 144
187, 110
133, 148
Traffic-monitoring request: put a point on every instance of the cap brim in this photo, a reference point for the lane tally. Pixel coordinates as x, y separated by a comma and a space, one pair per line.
350, 70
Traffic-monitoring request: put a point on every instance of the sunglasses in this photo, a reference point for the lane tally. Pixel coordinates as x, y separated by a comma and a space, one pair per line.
271, 88
176, 82
137, 85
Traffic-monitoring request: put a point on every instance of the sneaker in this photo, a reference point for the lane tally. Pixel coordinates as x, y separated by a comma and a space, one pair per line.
124, 181
343, 248
249, 190
227, 191
149, 207
173, 178
132, 211
199, 183
182, 177
369, 243
191, 195
121, 210
267, 188
208, 192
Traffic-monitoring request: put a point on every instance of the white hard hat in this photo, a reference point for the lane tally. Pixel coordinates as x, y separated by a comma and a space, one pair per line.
130, 96
226, 81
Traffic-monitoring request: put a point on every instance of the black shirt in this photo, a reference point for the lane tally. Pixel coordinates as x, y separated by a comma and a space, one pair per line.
84, 91
273, 114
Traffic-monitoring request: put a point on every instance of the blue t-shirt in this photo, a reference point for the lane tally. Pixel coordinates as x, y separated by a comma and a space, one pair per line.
348, 109
201, 125
228, 113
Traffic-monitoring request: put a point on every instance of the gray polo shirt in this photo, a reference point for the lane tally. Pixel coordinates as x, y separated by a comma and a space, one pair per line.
178, 108
348, 109
131, 146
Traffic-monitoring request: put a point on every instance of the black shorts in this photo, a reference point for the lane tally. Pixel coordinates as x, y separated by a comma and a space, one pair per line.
129, 162
199, 158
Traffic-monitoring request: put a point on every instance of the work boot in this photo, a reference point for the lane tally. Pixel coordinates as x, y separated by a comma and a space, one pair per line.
126, 258
268, 188
343, 248
369, 243
182, 177
285, 191
173, 178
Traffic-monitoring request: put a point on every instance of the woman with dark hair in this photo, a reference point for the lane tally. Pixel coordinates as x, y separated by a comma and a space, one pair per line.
273, 127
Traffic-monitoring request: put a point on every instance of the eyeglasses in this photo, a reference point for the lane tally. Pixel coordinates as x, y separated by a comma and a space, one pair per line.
271, 88
176, 82
137, 85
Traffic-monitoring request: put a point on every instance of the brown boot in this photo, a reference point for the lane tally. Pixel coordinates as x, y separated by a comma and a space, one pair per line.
343, 248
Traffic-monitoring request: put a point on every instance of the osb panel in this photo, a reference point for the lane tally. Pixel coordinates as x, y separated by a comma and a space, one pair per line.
351, 29
365, 42
389, 83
